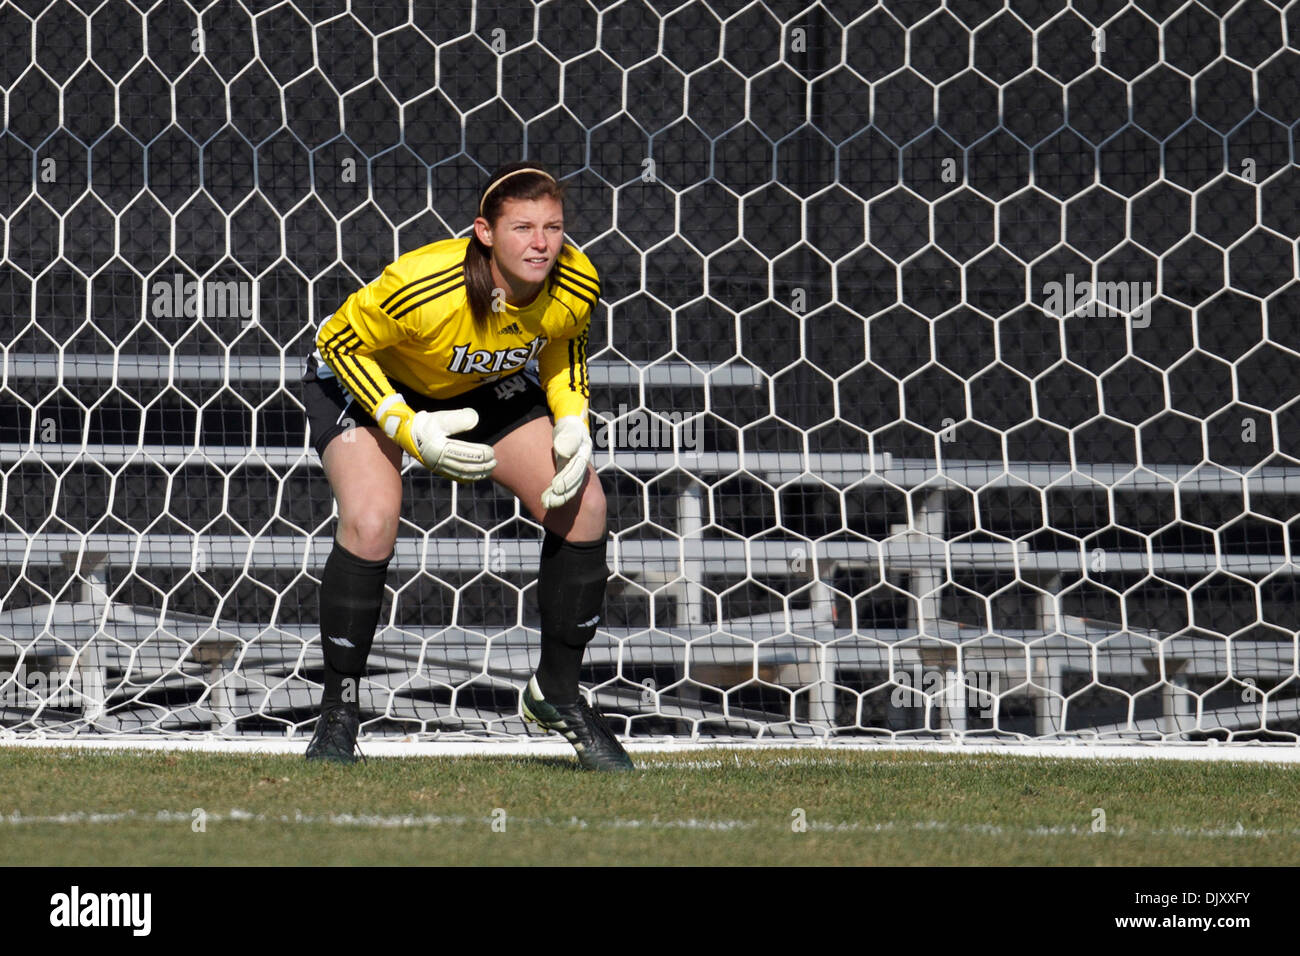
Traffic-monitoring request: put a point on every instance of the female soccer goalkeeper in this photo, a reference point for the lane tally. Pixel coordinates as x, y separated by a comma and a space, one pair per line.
437, 352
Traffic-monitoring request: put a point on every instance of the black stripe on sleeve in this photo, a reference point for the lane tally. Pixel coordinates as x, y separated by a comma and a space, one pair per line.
426, 301
578, 292
342, 349
580, 278
582, 365
329, 344
457, 278
361, 373
355, 374
411, 285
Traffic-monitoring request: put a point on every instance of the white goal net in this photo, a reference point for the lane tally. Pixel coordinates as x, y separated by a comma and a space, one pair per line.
945, 377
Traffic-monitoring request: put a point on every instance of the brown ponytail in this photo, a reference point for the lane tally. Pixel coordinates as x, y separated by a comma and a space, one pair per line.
515, 181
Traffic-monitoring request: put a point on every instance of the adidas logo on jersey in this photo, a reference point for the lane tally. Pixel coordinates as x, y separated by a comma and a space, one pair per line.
512, 329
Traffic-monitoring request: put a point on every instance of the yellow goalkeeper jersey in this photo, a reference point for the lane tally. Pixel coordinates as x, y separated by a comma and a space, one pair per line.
414, 323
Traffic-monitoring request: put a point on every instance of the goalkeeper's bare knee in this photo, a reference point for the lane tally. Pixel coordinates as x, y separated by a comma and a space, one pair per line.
583, 518
369, 533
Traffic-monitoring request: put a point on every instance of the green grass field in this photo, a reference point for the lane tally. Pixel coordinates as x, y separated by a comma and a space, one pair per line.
712, 807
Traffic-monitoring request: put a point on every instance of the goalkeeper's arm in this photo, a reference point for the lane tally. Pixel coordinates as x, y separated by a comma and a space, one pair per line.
563, 372
346, 342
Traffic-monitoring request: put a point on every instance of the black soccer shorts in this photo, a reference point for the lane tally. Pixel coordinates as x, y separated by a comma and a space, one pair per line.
502, 406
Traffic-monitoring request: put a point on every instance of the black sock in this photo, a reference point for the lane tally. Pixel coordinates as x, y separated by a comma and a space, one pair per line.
570, 591
351, 594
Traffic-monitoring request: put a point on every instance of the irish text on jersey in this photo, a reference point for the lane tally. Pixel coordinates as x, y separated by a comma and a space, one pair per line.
483, 362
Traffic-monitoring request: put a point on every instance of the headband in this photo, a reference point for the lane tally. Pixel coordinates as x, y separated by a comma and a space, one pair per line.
530, 169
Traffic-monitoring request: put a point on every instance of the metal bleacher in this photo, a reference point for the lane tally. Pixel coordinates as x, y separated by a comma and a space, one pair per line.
255, 678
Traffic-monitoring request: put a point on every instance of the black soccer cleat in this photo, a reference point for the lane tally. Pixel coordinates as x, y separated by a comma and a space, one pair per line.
597, 747
335, 738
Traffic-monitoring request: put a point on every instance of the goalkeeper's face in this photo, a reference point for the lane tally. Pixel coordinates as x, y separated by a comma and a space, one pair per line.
525, 241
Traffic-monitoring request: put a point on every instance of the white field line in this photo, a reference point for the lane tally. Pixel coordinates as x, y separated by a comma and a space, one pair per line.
363, 821
802, 752
408, 821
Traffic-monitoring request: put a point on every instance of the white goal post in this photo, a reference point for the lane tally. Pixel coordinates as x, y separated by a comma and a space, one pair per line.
943, 381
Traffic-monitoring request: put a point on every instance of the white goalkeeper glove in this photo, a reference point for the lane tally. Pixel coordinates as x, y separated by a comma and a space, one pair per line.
423, 436
458, 460
572, 447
